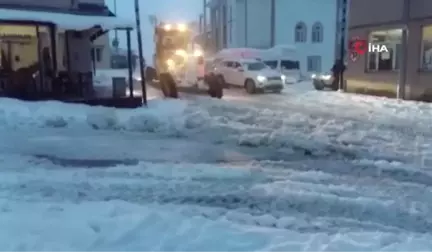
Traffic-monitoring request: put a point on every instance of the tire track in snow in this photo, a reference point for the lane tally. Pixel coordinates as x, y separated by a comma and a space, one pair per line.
233, 195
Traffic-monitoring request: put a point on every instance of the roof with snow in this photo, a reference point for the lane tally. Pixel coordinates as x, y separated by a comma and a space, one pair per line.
68, 21
240, 52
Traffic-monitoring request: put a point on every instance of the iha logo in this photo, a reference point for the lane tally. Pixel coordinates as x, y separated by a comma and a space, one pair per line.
358, 47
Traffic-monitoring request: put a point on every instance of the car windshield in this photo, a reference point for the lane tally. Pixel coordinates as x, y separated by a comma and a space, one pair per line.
290, 64
255, 66
272, 64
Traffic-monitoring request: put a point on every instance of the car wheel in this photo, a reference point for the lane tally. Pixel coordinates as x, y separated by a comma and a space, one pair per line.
219, 93
250, 86
318, 86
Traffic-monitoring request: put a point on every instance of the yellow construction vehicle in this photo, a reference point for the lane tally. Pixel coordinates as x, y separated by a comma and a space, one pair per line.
177, 58
172, 42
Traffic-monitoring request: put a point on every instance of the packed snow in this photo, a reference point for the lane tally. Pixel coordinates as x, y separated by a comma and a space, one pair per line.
305, 170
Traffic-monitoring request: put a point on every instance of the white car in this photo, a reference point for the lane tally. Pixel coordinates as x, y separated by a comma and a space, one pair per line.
251, 74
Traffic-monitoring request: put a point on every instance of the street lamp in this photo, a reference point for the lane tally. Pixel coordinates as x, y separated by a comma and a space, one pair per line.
140, 51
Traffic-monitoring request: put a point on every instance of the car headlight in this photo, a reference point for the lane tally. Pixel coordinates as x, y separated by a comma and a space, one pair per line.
261, 78
283, 78
313, 76
182, 27
198, 53
326, 77
180, 52
170, 62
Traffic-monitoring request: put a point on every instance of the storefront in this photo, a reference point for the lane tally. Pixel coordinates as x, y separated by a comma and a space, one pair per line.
43, 54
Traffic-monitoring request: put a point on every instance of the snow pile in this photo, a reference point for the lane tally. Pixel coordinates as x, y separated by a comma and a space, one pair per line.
161, 116
320, 124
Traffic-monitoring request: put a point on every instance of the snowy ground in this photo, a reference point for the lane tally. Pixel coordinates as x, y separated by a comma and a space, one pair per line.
304, 170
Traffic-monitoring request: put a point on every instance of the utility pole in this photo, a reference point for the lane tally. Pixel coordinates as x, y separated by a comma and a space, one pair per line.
115, 42
404, 51
204, 28
272, 23
246, 22
343, 12
140, 51
205, 18
116, 31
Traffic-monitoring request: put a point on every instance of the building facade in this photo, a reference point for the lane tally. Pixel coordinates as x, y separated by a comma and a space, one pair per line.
382, 22
310, 25
99, 49
102, 52
240, 23
45, 38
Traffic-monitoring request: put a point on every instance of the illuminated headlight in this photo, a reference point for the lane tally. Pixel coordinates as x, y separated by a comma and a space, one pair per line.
182, 53
283, 78
170, 63
326, 77
198, 53
313, 76
182, 27
167, 27
261, 78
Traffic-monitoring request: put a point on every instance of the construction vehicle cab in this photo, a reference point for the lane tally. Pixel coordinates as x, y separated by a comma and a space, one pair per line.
170, 42
179, 62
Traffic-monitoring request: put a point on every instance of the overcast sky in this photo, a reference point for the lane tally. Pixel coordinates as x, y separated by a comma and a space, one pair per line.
171, 10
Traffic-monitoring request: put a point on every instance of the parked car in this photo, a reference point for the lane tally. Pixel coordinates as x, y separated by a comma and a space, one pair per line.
324, 80
252, 75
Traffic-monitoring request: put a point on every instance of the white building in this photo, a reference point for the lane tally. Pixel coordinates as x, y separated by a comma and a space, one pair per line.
310, 25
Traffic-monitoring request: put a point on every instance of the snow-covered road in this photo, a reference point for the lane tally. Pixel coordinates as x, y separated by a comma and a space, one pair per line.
304, 170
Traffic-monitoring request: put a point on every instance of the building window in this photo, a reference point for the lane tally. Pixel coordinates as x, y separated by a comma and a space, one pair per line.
300, 33
426, 58
314, 64
20, 45
317, 33
385, 61
96, 54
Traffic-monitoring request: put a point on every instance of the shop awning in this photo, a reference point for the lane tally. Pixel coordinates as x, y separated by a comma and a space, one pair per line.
66, 21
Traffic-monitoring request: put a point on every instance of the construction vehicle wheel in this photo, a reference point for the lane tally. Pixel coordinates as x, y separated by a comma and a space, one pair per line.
163, 82
215, 86
218, 90
172, 87
169, 84
219, 93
